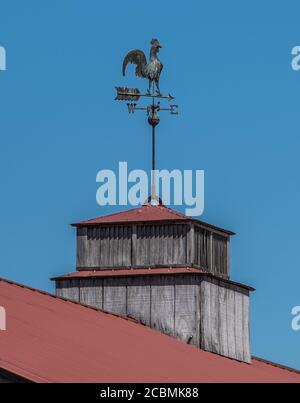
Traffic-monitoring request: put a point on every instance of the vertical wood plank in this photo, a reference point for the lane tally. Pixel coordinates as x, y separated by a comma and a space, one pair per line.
118, 246
186, 310
162, 304
59, 288
161, 243
125, 247
93, 253
214, 312
206, 326
114, 295
228, 257
153, 253
69, 289
230, 315
165, 244
182, 245
138, 299
211, 252
223, 321
134, 246
143, 260
246, 330
91, 292
148, 244
176, 246
105, 246
111, 241
81, 248
238, 325
191, 245
170, 251
196, 246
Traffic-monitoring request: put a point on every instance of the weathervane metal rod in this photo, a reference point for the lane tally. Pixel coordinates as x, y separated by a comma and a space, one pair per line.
153, 148
153, 120
153, 190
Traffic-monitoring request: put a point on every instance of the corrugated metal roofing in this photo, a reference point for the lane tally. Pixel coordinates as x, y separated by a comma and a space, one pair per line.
49, 339
144, 272
146, 213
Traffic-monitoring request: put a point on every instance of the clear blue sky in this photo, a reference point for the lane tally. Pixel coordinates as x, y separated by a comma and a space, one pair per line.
228, 64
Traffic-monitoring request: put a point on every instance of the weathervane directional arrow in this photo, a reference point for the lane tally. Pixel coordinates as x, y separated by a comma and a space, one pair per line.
133, 94
151, 71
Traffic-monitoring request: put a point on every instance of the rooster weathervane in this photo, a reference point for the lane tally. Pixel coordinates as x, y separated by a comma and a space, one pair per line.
143, 69
150, 71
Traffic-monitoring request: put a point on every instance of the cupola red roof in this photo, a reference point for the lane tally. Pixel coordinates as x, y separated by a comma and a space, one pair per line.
146, 213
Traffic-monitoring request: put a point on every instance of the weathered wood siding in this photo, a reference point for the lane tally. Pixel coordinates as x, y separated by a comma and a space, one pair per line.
107, 246
202, 248
128, 246
187, 309
91, 292
115, 295
139, 299
161, 245
208, 313
225, 319
219, 254
150, 245
211, 251
162, 304
68, 289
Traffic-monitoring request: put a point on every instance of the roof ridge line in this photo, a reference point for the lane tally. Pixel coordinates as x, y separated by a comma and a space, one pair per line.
177, 213
109, 215
274, 364
131, 216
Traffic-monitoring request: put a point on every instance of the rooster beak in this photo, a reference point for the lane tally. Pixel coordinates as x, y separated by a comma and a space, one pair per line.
160, 46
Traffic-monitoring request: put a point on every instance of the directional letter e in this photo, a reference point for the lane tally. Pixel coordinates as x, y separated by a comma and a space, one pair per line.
2, 318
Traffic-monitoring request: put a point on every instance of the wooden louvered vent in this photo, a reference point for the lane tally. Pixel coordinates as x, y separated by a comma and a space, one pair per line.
152, 245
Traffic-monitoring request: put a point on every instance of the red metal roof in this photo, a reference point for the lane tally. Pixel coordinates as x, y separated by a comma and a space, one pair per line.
49, 339
82, 273
142, 213
146, 213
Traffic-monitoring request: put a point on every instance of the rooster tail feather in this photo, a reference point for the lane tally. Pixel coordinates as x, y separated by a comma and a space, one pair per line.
138, 58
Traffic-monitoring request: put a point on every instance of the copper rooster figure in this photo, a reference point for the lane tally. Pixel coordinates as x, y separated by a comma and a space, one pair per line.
150, 70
